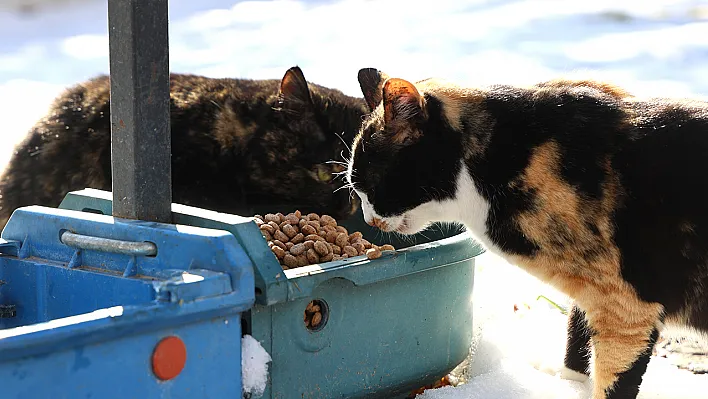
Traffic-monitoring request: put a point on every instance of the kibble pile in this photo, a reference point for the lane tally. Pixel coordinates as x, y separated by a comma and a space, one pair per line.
299, 240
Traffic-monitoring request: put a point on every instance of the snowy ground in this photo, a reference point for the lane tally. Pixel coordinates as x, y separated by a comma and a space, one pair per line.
657, 47
517, 354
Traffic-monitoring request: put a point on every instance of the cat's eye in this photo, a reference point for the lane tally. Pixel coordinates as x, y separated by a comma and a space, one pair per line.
324, 173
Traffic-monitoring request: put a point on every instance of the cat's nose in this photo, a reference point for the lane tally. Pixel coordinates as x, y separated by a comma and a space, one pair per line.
376, 222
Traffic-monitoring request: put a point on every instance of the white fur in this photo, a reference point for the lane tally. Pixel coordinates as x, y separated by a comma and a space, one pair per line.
393, 222
572, 375
678, 330
467, 207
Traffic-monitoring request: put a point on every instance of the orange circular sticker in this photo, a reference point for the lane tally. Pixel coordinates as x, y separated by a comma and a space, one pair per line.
168, 358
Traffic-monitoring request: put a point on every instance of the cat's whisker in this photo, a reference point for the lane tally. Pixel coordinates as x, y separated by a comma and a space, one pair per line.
408, 238
342, 177
353, 173
439, 226
345, 185
339, 188
351, 194
344, 142
344, 157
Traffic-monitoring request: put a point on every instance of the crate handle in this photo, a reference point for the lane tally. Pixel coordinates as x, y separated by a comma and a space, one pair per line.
91, 243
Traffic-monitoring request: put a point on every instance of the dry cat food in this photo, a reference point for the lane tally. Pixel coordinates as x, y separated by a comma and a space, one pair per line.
299, 240
443, 382
313, 315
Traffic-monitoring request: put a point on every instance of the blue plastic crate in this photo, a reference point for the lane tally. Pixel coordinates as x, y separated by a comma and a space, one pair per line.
94, 296
392, 325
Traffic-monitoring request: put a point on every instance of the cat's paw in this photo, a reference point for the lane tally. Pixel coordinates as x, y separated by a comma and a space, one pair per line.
572, 375
548, 367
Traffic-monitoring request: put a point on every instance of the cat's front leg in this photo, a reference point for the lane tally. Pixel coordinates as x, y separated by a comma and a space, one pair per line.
577, 350
624, 333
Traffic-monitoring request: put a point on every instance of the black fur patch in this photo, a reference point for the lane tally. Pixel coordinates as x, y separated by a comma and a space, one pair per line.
236, 144
399, 178
583, 127
627, 385
662, 227
577, 349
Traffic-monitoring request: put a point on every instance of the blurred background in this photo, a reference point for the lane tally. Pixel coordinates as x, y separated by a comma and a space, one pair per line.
657, 47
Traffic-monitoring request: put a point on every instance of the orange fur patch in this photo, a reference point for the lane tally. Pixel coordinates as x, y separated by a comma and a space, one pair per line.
622, 322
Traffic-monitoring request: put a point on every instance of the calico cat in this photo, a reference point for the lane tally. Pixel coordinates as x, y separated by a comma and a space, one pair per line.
599, 193
236, 143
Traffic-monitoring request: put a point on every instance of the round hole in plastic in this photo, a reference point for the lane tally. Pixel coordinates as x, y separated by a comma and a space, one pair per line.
316, 315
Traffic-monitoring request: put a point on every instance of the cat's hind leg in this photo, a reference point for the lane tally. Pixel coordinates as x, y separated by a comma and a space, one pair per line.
577, 350
624, 331
627, 383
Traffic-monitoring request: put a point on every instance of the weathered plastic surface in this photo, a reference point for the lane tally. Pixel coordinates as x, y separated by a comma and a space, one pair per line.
270, 284
393, 324
382, 337
87, 321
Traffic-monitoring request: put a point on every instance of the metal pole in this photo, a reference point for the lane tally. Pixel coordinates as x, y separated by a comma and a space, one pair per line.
140, 109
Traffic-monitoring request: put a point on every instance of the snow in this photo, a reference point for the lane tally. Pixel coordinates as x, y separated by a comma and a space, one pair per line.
518, 355
657, 48
254, 366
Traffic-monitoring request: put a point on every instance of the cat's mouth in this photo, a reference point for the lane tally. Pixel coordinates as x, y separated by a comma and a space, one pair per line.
397, 224
409, 225
405, 227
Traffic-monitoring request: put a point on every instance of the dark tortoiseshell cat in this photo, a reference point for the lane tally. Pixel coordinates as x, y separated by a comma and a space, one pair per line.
597, 192
235, 143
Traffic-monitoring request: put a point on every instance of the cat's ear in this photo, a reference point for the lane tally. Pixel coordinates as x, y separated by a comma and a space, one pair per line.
294, 90
371, 81
401, 100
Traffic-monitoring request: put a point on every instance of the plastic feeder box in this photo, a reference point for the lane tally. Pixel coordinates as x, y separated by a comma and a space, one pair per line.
153, 312
390, 325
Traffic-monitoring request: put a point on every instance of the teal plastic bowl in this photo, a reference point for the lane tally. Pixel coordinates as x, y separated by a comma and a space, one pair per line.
390, 325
